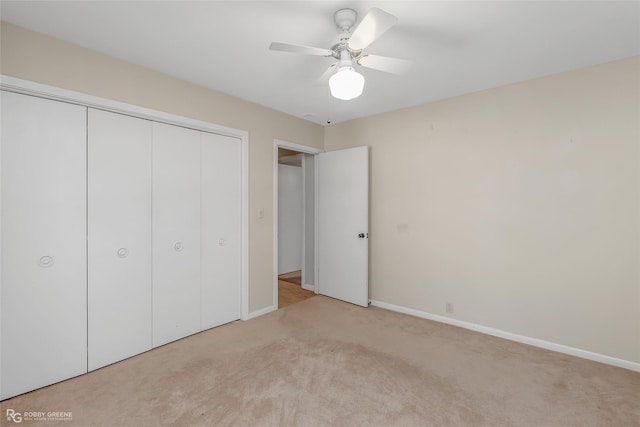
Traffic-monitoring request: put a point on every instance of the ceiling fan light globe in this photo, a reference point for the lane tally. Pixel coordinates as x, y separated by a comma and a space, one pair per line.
346, 84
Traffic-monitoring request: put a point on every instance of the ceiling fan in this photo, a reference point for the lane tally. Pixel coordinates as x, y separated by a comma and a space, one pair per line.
345, 83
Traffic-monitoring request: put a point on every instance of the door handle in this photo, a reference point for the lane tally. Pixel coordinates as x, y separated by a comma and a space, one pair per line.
46, 261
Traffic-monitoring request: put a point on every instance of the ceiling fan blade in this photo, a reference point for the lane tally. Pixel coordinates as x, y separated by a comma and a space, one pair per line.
372, 26
324, 78
306, 50
386, 64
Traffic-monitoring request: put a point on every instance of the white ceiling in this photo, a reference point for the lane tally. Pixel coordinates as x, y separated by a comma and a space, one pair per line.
456, 47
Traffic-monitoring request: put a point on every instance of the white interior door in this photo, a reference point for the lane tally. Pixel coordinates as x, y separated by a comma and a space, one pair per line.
44, 271
176, 233
221, 229
343, 224
119, 231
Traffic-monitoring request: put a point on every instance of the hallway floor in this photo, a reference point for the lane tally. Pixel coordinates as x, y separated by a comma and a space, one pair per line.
290, 290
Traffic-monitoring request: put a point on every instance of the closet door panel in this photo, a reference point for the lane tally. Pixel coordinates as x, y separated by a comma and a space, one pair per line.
43, 279
119, 197
221, 229
176, 233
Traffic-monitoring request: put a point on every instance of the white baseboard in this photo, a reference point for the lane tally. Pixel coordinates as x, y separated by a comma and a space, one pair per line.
584, 354
261, 312
309, 287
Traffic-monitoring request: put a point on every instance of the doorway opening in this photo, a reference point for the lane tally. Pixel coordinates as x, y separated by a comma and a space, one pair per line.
334, 259
294, 228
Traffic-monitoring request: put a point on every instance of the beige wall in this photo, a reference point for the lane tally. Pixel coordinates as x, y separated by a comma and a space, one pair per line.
32, 56
518, 205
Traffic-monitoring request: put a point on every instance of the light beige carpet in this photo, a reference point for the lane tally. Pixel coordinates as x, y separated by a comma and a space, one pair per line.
323, 362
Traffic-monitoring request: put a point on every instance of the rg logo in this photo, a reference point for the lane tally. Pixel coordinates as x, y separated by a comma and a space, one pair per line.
14, 416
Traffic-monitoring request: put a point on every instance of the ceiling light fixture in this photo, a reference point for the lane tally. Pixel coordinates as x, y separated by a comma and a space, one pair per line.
347, 83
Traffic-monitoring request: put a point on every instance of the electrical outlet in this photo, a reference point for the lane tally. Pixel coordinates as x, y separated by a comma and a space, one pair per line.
449, 307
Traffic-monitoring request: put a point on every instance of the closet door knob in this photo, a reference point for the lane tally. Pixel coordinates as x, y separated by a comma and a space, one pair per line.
46, 261
178, 246
123, 252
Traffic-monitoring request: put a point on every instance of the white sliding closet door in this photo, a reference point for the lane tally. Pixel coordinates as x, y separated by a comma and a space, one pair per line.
119, 197
176, 233
43, 280
221, 229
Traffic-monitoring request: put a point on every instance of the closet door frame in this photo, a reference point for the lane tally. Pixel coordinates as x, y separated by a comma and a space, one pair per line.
12, 84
